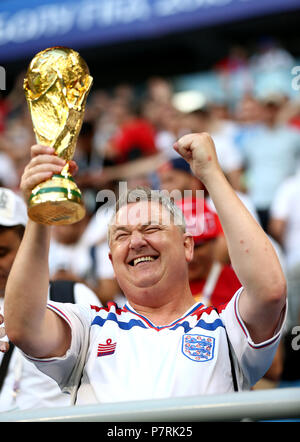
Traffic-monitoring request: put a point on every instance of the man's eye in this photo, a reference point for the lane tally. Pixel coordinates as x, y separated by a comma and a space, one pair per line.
152, 229
121, 236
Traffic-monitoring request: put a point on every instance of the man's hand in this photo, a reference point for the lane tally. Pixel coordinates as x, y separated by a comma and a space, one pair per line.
199, 151
43, 164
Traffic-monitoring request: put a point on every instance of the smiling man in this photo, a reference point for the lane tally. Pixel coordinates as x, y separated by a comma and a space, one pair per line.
161, 343
141, 237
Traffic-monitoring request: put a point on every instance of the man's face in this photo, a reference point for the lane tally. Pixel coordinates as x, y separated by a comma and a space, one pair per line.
147, 248
9, 245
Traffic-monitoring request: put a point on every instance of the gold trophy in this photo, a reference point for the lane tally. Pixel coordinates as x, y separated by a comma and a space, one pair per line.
56, 87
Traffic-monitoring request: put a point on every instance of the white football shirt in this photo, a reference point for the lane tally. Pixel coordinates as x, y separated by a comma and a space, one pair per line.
129, 358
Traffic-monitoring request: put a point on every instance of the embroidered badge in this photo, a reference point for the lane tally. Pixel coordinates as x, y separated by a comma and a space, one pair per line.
198, 348
106, 349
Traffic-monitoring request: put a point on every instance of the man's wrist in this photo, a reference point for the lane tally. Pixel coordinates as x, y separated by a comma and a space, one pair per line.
210, 176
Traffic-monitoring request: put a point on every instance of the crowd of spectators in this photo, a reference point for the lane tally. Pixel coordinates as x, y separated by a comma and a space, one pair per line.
127, 135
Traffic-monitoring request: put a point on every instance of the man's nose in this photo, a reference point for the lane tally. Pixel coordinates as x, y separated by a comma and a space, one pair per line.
137, 240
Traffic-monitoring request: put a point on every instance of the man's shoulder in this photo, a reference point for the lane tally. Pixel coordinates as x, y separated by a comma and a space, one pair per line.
208, 317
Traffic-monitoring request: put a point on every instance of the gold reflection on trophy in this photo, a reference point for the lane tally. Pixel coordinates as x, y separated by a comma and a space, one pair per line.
56, 87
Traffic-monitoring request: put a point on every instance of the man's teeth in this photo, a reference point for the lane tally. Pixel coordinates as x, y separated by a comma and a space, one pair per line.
142, 259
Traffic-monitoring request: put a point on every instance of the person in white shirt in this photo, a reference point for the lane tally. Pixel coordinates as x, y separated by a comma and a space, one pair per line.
22, 385
161, 343
285, 219
285, 228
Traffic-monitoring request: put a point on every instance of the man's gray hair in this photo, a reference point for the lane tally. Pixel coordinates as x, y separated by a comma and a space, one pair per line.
146, 194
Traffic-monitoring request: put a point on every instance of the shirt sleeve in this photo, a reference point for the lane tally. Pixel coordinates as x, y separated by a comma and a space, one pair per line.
253, 359
66, 370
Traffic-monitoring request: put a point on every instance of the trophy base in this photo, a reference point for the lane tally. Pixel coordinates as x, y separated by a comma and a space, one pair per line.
56, 202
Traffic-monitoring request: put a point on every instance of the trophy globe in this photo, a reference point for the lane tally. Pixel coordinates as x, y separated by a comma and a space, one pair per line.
56, 87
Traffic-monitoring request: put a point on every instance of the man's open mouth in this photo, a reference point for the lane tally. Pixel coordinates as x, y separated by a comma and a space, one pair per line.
137, 261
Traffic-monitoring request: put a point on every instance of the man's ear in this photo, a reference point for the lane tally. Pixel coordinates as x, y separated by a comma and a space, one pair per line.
189, 246
110, 257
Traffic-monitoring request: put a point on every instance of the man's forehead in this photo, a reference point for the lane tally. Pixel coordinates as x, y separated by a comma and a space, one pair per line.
142, 213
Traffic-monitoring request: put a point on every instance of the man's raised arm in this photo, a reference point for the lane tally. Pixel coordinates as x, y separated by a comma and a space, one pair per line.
252, 255
29, 324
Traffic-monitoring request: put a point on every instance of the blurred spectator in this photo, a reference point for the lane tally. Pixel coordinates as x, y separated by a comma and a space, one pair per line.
158, 108
125, 93
176, 175
86, 156
248, 114
271, 153
134, 136
169, 130
97, 105
159, 90
4, 111
11, 102
69, 258
270, 56
16, 133
235, 74
8, 173
237, 59
88, 160
290, 113
285, 228
223, 131
214, 118
211, 282
16, 139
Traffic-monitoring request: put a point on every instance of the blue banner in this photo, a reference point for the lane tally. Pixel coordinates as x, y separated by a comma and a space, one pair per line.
27, 27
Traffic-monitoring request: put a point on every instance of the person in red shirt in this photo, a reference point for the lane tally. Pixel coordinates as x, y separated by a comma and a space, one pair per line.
134, 137
211, 282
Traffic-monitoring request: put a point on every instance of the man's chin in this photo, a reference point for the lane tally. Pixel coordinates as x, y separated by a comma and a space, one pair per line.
147, 284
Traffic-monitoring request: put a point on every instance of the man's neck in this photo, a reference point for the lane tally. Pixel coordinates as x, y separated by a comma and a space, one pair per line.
163, 313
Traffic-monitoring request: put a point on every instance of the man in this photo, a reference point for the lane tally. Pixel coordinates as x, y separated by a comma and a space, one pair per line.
22, 386
161, 344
